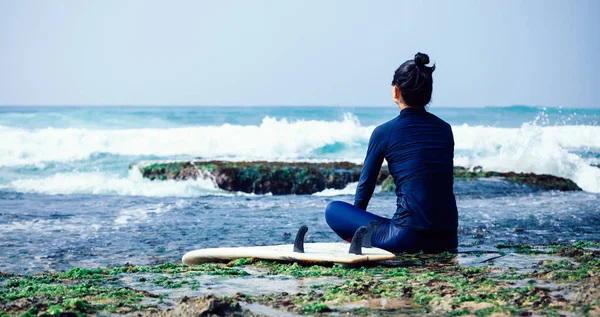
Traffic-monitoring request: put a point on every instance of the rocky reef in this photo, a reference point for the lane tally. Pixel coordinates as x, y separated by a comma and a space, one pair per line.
542, 181
284, 178
278, 178
506, 280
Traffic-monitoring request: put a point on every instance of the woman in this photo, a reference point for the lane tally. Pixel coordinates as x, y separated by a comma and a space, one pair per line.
419, 150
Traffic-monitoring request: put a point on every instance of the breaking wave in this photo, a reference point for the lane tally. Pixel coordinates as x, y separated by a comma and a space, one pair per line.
111, 184
272, 140
555, 150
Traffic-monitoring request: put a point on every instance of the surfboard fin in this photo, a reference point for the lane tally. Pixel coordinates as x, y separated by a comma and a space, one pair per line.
357, 241
299, 241
370, 229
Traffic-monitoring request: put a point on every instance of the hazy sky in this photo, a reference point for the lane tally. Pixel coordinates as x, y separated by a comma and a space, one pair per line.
276, 52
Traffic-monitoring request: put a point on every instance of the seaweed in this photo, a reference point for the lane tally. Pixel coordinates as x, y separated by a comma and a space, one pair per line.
283, 178
565, 281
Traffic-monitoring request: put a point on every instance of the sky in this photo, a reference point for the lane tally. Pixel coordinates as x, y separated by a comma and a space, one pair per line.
310, 52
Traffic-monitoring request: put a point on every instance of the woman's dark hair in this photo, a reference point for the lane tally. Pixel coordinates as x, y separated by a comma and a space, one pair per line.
414, 80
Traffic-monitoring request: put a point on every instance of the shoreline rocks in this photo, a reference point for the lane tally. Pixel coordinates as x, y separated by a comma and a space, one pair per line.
302, 178
509, 279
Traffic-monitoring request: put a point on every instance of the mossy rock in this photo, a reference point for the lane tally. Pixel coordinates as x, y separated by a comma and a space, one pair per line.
388, 185
284, 178
261, 177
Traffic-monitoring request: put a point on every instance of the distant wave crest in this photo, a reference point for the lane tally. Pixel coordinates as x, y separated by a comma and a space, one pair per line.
272, 140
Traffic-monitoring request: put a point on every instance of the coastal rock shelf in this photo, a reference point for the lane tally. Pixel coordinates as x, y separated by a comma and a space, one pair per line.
278, 178
541, 181
284, 178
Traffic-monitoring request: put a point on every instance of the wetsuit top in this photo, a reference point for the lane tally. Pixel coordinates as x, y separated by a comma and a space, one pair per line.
419, 150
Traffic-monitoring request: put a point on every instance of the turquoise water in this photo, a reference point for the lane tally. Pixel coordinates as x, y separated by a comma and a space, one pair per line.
171, 117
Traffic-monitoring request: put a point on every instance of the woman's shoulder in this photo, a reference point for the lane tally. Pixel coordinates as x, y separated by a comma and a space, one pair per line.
382, 131
438, 120
386, 126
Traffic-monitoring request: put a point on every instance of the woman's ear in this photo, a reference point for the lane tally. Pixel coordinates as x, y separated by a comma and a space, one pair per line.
396, 94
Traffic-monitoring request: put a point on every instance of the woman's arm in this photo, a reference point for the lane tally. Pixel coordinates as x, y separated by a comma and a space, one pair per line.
371, 168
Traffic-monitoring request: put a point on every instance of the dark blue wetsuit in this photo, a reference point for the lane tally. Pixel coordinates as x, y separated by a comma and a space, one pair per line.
419, 150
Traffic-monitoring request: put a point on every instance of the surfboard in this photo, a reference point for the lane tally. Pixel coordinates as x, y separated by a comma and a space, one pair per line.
359, 251
314, 253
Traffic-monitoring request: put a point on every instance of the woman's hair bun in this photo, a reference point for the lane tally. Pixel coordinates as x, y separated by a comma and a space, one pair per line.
421, 59
414, 79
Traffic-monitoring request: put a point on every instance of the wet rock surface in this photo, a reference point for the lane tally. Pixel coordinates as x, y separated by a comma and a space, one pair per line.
201, 306
542, 181
282, 178
278, 178
508, 279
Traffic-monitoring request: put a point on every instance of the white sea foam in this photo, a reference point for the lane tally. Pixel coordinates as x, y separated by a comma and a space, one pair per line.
49, 226
350, 189
489, 139
102, 183
138, 214
534, 149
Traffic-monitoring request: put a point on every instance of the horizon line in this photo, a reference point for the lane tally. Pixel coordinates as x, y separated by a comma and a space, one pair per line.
284, 105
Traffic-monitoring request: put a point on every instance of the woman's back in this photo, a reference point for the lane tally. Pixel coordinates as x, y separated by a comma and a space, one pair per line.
419, 150
420, 158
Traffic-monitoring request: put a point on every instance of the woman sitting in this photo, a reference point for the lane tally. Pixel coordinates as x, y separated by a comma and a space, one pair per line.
419, 150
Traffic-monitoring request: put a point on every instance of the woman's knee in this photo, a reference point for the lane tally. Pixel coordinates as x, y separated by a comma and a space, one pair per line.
333, 210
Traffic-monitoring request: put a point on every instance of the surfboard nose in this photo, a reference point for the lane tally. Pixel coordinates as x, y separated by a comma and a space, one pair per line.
193, 258
186, 259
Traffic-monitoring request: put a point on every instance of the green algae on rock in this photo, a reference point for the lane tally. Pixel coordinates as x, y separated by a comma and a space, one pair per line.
278, 178
447, 289
542, 181
87, 291
283, 178
562, 279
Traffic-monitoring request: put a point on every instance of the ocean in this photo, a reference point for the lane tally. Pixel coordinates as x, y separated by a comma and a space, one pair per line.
71, 194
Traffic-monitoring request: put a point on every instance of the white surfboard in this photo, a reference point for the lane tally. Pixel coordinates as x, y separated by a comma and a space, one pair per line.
313, 253
359, 251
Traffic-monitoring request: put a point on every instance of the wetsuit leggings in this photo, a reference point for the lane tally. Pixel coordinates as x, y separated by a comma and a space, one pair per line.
345, 219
